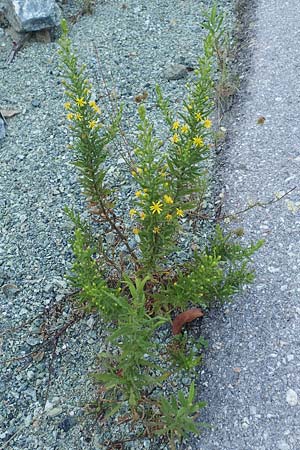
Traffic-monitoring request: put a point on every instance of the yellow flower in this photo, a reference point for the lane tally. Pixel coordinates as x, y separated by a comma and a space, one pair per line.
80, 101
145, 190
70, 116
139, 170
136, 231
67, 105
156, 207
132, 212
95, 107
168, 200
179, 212
133, 173
176, 125
156, 230
185, 128
78, 116
198, 141
175, 138
92, 124
169, 217
142, 215
138, 193
198, 116
207, 123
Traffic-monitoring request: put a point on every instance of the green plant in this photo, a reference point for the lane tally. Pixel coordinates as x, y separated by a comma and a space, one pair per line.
178, 416
137, 291
186, 353
128, 374
218, 44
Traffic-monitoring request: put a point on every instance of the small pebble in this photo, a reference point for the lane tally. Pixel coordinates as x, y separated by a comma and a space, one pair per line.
292, 397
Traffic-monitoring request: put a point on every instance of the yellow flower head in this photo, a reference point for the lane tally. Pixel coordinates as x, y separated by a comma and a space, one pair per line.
78, 116
139, 170
142, 215
136, 231
92, 124
176, 125
198, 141
169, 217
156, 230
156, 207
67, 105
132, 212
168, 200
133, 173
207, 123
179, 212
138, 193
145, 190
198, 116
175, 138
92, 103
80, 101
70, 116
185, 128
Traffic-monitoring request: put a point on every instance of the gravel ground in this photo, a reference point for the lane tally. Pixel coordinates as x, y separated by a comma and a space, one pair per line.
137, 42
251, 377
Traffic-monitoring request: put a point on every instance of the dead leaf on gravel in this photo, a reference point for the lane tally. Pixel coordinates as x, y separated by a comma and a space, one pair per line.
8, 113
185, 317
261, 120
237, 369
39, 356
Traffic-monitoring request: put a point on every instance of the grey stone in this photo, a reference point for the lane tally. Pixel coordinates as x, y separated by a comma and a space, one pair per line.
32, 15
67, 423
175, 72
36, 103
2, 129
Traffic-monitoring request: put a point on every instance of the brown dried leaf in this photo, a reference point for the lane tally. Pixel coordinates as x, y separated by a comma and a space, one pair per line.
261, 120
8, 113
185, 317
38, 357
141, 97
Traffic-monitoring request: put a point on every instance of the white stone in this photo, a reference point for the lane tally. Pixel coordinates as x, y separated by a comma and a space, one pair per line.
54, 412
282, 445
292, 397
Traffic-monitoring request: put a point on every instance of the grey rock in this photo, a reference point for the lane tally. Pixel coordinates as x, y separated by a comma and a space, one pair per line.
36, 103
2, 129
175, 72
67, 423
32, 15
